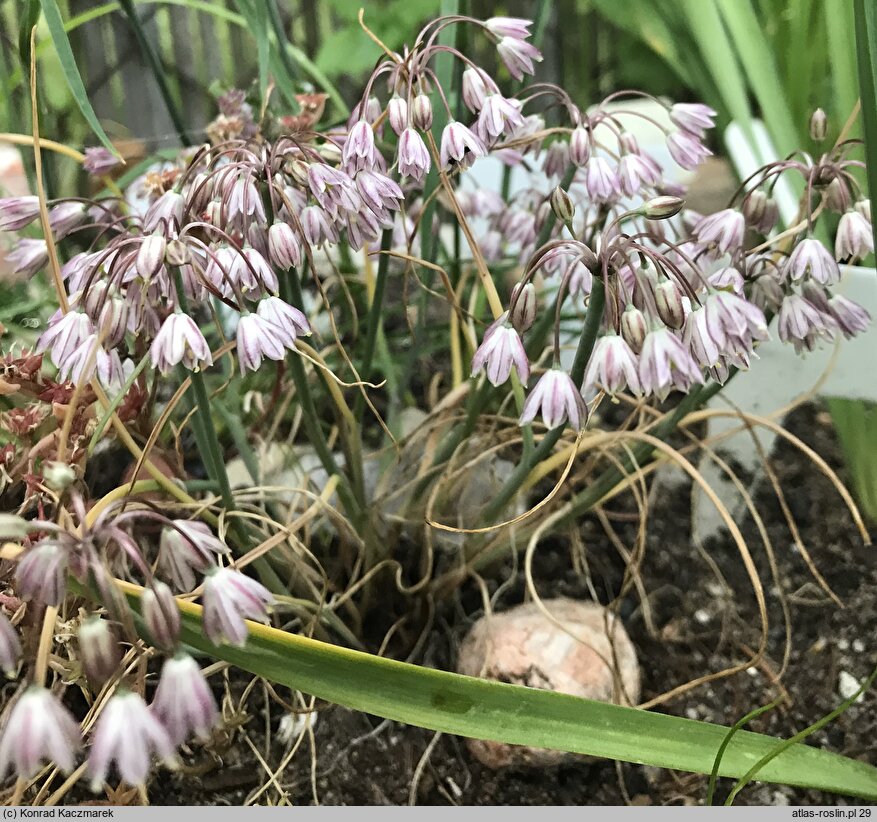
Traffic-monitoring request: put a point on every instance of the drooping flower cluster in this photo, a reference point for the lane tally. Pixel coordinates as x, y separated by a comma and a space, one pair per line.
128, 732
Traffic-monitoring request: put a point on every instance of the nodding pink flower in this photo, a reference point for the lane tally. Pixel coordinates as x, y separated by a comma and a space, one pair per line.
602, 180
257, 338
183, 702
460, 146
695, 118
381, 194
557, 159
161, 614
636, 171
230, 597
179, 340
727, 278
803, 324
498, 115
165, 213
128, 734
421, 112
284, 245
222, 268
558, 398
64, 217
65, 335
811, 259
42, 573
518, 56
10, 647
686, 149
258, 275
28, 257
363, 227
665, 364
412, 155
288, 321
850, 317
397, 113
734, 323
150, 256
699, 340
359, 148
99, 161
317, 227
333, 189
500, 350
612, 367
477, 84
39, 729
854, 238
516, 27
18, 212
187, 547
724, 230
243, 202
580, 146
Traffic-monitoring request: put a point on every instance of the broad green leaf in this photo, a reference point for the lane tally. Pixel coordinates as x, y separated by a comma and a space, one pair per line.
71, 72
484, 709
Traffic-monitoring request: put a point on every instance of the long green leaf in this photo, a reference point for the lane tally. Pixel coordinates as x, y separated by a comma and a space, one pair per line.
761, 71
513, 714
71, 72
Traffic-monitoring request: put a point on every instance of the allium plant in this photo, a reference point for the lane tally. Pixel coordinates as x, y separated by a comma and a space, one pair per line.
233, 239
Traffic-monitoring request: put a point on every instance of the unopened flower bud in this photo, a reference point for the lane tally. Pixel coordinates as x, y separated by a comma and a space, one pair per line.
818, 125
297, 169
562, 205
523, 312
150, 257
864, 208
662, 208
580, 146
99, 650
161, 615
58, 476
12, 527
668, 299
634, 328
397, 114
330, 152
421, 112
837, 195
178, 253
284, 247
754, 206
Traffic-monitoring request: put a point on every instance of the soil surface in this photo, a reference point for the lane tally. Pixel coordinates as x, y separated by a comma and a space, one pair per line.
704, 619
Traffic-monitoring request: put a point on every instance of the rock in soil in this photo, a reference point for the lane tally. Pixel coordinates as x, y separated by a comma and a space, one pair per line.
583, 650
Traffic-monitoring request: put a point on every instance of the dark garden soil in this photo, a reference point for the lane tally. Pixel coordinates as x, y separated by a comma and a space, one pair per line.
357, 759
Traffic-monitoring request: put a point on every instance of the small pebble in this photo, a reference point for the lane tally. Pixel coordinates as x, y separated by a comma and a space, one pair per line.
847, 685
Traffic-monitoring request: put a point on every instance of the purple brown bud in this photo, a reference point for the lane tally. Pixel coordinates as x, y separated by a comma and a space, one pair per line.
421, 112
580, 146
161, 615
668, 299
634, 328
523, 311
99, 650
562, 205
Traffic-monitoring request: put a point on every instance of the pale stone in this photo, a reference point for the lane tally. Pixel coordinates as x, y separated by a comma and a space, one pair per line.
584, 651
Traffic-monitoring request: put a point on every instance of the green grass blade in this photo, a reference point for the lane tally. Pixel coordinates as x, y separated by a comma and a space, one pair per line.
71, 72
483, 709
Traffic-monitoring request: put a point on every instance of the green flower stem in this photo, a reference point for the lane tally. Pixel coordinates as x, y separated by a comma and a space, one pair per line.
155, 66
353, 503
374, 317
